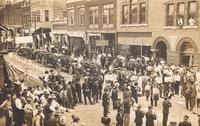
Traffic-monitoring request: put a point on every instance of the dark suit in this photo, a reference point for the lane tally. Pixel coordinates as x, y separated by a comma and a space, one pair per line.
166, 105
105, 104
138, 117
150, 117
184, 124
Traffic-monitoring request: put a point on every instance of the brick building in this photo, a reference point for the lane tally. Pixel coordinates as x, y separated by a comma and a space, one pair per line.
168, 28
94, 22
26, 16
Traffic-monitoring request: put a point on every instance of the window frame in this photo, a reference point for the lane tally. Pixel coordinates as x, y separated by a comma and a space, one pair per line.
71, 15
136, 14
46, 15
81, 12
123, 14
110, 14
94, 13
142, 13
186, 14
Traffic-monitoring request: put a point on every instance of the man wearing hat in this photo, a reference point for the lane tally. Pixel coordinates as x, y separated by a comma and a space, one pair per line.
28, 112
39, 117
150, 117
139, 115
54, 120
106, 102
7, 107
86, 91
166, 105
185, 121
47, 111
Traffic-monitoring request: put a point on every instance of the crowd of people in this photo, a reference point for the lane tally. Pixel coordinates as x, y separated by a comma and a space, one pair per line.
45, 105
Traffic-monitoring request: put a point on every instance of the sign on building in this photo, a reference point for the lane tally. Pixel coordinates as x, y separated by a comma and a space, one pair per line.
102, 43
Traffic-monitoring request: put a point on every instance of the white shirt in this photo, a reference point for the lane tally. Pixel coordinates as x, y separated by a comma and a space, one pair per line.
147, 87
18, 103
159, 80
177, 77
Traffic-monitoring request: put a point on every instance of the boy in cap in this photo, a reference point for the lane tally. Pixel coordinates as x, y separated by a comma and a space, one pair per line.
185, 121
139, 115
150, 117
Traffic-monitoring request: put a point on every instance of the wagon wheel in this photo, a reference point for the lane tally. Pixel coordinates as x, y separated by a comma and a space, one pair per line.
71, 70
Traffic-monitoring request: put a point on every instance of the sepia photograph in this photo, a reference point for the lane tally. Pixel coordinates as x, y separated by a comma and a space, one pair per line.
99, 63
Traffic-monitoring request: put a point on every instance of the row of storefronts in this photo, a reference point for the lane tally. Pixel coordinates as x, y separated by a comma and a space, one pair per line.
174, 49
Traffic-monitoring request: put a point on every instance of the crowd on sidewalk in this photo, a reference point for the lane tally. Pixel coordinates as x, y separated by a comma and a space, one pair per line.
45, 105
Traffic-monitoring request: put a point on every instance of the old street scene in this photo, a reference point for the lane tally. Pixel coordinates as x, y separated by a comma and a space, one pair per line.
99, 63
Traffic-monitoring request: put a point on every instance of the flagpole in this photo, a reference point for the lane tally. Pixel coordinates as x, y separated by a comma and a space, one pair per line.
141, 47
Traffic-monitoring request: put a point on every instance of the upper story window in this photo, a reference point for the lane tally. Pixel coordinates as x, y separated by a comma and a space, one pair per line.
180, 13
134, 13
64, 14
142, 13
71, 16
125, 14
170, 14
46, 13
35, 15
93, 16
192, 13
186, 14
81, 16
108, 14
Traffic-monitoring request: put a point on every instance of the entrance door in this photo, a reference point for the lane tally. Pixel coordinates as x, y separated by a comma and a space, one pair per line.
187, 54
185, 59
162, 50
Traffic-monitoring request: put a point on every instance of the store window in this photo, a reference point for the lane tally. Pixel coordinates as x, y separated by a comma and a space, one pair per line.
108, 14
71, 16
81, 16
170, 14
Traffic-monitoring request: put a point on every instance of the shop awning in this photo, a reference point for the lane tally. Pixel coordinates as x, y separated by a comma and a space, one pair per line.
24, 40
129, 40
76, 34
3, 28
42, 31
76, 41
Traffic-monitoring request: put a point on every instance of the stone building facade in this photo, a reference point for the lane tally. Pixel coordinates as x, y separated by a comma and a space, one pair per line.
167, 28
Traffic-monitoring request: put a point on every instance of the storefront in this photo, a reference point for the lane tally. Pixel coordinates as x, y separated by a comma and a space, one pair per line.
135, 44
77, 42
101, 43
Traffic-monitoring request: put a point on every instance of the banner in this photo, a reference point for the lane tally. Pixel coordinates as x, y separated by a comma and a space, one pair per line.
102, 42
24, 39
